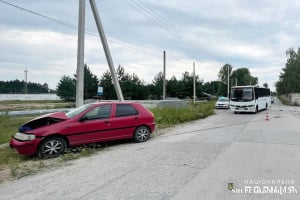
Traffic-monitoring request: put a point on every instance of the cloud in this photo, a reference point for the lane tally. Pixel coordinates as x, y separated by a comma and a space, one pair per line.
45, 54
252, 34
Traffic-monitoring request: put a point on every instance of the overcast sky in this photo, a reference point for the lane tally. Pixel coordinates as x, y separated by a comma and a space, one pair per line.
253, 34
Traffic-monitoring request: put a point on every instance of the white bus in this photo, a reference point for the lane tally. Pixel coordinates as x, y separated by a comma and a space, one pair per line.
249, 99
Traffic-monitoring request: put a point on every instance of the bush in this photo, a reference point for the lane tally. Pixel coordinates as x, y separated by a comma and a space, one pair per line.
168, 116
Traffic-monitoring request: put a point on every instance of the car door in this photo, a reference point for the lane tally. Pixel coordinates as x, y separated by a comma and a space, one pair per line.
93, 126
125, 120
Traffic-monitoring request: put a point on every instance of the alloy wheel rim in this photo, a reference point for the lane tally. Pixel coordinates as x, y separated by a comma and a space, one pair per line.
52, 147
142, 134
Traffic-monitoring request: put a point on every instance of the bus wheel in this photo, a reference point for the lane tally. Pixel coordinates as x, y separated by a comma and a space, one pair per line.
266, 106
256, 109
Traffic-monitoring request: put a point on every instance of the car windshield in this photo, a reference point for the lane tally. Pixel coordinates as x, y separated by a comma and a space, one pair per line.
222, 99
78, 110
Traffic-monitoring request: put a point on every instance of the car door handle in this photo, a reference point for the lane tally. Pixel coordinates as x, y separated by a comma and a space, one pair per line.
107, 122
136, 117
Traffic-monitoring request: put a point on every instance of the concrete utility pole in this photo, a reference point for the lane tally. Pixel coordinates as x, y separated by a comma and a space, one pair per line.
106, 50
80, 55
228, 81
194, 82
164, 78
25, 81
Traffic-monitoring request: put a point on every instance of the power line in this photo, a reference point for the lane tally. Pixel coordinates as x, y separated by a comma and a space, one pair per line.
88, 31
40, 15
156, 18
153, 18
159, 17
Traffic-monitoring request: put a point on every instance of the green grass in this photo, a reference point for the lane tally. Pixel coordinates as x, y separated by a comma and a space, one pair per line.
14, 165
20, 166
10, 156
169, 116
9, 126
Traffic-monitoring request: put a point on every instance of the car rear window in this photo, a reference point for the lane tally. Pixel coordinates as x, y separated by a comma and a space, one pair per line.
125, 110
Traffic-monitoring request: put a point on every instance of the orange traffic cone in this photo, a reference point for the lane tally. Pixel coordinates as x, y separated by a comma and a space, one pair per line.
267, 117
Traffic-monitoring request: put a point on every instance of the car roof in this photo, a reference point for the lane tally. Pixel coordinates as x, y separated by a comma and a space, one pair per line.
113, 102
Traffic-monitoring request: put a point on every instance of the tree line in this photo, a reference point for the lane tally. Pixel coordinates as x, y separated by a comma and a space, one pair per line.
19, 87
135, 89
289, 78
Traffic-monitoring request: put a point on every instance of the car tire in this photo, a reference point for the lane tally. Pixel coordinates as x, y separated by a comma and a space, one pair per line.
141, 134
52, 147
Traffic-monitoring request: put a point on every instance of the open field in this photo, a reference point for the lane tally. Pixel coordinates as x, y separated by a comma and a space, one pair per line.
17, 105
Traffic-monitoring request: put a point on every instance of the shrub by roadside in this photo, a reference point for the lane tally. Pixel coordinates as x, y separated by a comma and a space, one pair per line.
166, 117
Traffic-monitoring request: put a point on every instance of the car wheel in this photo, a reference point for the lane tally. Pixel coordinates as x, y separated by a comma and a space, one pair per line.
52, 147
141, 134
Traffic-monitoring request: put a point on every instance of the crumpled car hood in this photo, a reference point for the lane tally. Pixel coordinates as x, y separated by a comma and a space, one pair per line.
45, 120
59, 115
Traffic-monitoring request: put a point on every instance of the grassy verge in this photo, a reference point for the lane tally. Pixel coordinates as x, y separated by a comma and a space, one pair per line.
169, 116
13, 165
9, 126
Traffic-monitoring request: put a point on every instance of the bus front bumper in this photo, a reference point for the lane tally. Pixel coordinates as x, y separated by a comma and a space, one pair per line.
244, 108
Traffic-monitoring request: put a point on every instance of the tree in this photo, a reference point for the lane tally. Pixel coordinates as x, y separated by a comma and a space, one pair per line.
186, 85
242, 76
90, 83
266, 85
172, 86
289, 79
223, 73
46, 86
66, 88
132, 87
108, 87
16, 86
156, 88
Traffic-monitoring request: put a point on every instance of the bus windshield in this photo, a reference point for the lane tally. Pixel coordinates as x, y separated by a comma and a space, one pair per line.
242, 94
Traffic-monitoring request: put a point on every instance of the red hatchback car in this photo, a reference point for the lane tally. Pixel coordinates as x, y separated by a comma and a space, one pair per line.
50, 135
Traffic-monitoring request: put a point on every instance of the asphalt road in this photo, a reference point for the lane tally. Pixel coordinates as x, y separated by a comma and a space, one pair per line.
226, 156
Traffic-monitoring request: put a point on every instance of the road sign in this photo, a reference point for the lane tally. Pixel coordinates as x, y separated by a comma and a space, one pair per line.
100, 91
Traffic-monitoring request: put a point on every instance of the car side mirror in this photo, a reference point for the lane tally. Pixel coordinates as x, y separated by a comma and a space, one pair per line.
83, 118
